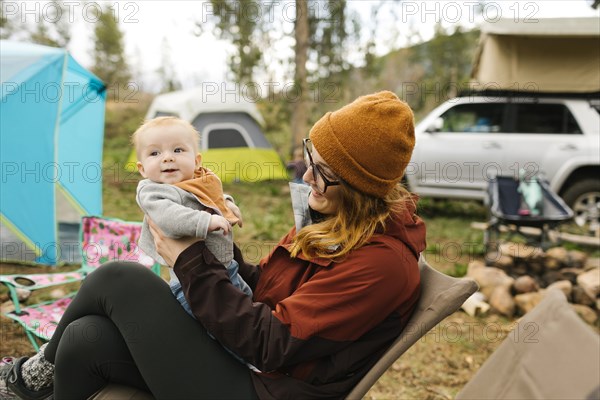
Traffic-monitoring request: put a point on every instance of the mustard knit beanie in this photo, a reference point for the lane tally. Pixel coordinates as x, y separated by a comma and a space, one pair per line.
368, 143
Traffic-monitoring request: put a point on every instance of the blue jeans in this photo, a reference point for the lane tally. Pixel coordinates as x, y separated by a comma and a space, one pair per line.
234, 277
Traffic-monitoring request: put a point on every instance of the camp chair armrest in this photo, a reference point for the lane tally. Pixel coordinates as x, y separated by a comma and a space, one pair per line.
12, 292
41, 281
33, 282
102, 240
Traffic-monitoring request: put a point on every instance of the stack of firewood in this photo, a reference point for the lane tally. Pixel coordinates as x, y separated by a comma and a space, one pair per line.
518, 276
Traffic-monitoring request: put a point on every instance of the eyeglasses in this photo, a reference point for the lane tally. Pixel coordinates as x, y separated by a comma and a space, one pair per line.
322, 182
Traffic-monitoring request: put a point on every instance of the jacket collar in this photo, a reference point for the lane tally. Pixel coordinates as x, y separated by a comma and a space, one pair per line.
322, 262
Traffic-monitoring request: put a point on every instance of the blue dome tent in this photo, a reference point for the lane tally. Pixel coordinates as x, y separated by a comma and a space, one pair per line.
51, 135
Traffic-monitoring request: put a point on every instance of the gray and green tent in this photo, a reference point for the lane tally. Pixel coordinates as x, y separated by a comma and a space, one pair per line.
232, 142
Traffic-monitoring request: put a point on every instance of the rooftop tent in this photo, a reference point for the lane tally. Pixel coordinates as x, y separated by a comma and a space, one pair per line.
232, 142
51, 134
550, 55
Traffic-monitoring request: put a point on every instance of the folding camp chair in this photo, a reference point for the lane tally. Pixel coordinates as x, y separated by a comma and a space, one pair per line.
102, 240
441, 295
505, 206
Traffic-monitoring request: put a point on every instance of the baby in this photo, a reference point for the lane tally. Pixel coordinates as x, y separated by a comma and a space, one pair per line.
182, 197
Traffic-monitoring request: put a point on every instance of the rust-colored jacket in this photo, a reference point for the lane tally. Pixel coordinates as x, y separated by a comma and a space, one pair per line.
314, 327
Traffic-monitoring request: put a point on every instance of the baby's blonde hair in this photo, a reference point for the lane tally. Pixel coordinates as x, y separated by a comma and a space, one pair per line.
164, 121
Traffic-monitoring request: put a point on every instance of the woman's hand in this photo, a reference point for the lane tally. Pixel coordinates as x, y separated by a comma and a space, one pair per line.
169, 249
235, 210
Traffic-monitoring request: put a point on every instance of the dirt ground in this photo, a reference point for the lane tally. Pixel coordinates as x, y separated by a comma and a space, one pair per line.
436, 367
440, 364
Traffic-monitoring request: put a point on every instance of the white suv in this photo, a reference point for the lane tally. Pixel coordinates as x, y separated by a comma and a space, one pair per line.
466, 141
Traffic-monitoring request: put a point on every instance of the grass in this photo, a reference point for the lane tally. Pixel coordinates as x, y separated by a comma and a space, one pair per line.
451, 242
436, 367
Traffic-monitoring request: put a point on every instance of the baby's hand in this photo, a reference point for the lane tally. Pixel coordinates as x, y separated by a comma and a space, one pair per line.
218, 222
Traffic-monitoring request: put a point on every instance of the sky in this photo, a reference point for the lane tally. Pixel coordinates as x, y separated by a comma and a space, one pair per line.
202, 57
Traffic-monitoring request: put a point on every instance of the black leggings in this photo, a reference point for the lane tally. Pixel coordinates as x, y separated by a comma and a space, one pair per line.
124, 326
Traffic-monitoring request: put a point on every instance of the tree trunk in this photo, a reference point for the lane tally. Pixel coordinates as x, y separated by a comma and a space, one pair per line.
300, 109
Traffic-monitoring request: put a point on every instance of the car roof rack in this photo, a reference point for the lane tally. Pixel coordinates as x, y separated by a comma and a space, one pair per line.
592, 96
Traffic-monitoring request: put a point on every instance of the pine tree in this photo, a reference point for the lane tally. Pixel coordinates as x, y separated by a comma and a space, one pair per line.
41, 35
52, 27
329, 34
166, 71
110, 64
243, 23
321, 31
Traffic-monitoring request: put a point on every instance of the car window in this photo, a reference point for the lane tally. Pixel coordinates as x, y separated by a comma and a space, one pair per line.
595, 104
483, 117
545, 118
225, 138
